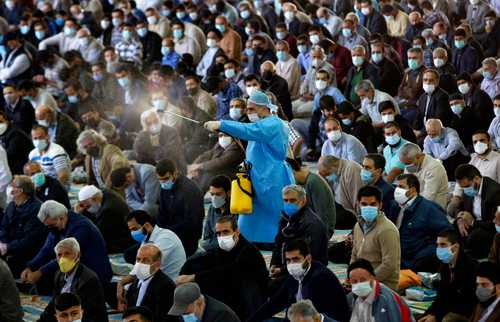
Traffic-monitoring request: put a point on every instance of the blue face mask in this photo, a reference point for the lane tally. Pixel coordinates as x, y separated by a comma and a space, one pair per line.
332, 177
487, 75
178, 33
221, 28
392, 139
73, 99
470, 191
249, 52
459, 44
302, 49
189, 317
281, 55
167, 185
411, 168
290, 209
138, 235
366, 176
497, 227
413, 64
369, 213
123, 81
444, 254
59, 21
165, 51
97, 77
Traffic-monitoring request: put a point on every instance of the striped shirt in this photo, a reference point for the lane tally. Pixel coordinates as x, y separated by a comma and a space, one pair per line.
54, 160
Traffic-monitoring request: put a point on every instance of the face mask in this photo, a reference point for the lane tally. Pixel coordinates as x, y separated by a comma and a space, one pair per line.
211, 43
438, 62
459, 44
377, 57
366, 176
290, 209
302, 49
73, 99
429, 42
497, 227
362, 289
116, 22
225, 141
159, 104
483, 294
105, 24
142, 32
417, 46
496, 110
226, 242
94, 208
386, 118
126, 34
332, 177
138, 235
316, 62
314, 39
66, 265
249, 52
167, 185
289, 15
10, 99
365, 11
69, 32
464, 88
165, 12
221, 28
487, 75
413, 64
41, 145
10, 4
369, 213
320, 85
281, 35
178, 33
230, 73
38, 179
400, 195
141, 271
165, 51
470, 191
60, 21
235, 113
392, 139
152, 20
281, 55
334, 135
411, 168
357, 60
296, 270
218, 201
253, 117
43, 123
123, 81
429, 88
346, 32
180, 15
444, 254
245, 14
24, 29
250, 90
189, 317
480, 148
347, 122
457, 109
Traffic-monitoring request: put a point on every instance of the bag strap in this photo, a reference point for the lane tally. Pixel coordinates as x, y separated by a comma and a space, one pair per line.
249, 193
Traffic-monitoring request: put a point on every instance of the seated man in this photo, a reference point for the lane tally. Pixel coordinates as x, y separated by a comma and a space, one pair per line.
320, 197
152, 289
477, 209
64, 223
430, 173
21, 233
67, 307
143, 229
16, 142
192, 305
299, 221
487, 293
395, 141
419, 220
372, 174
51, 156
10, 299
107, 210
444, 144
376, 239
388, 113
76, 278
345, 180
358, 125
304, 310
341, 145
371, 98
368, 290
235, 272
220, 192
455, 299
140, 186
181, 205
46, 188
308, 279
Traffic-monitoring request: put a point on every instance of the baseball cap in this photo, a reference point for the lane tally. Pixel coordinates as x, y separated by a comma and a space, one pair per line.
184, 295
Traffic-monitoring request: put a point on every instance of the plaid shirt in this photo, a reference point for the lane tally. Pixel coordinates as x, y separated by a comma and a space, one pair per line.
130, 51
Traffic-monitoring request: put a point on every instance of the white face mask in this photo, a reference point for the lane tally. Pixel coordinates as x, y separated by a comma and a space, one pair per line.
3, 128
250, 90
386, 118
316, 62
496, 110
253, 117
297, 270
334, 135
400, 195
362, 289
226, 242
438, 62
141, 271
314, 39
320, 85
94, 208
225, 141
464, 88
211, 43
480, 147
429, 88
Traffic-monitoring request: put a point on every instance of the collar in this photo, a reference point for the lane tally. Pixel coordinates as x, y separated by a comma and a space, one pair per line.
480, 187
69, 277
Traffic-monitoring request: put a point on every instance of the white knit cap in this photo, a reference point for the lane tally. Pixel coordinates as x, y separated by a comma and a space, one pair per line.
88, 192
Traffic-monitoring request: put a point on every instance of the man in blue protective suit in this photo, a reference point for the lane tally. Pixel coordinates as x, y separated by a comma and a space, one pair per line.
267, 139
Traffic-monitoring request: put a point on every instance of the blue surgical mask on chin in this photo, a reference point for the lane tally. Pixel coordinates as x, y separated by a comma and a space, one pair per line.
470, 191
167, 185
191, 317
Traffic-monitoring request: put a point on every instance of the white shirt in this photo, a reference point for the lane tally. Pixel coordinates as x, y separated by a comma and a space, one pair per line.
206, 61
5, 174
19, 65
62, 41
173, 254
362, 310
476, 204
371, 109
43, 97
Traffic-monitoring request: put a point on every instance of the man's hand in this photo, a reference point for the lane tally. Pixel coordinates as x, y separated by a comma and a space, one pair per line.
182, 279
212, 125
120, 288
34, 277
307, 97
427, 318
274, 271
3, 249
25, 274
464, 222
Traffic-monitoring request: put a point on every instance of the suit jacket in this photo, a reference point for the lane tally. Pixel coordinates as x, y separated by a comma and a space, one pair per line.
66, 133
466, 60
490, 199
87, 286
17, 145
22, 115
479, 310
158, 298
370, 71
390, 76
216, 311
375, 23
110, 219
151, 48
438, 108
481, 106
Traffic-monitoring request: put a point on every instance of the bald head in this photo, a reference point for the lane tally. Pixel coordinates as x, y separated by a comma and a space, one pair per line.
44, 112
434, 127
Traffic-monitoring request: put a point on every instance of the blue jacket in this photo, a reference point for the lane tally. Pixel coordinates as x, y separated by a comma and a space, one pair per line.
21, 230
92, 248
387, 194
422, 221
266, 152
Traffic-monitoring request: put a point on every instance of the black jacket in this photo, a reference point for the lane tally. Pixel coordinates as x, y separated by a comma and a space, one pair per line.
465, 124
466, 60
406, 130
151, 48
110, 219
370, 71
216, 311
87, 286
415, 30
362, 129
490, 200
438, 108
243, 271
447, 79
482, 107
375, 23
66, 133
22, 115
158, 298
319, 285
181, 210
390, 76
17, 145
457, 295
296, 28
21, 229
279, 87
52, 189
304, 225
